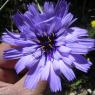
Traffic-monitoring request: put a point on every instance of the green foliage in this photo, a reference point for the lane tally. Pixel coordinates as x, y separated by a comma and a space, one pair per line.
91, 32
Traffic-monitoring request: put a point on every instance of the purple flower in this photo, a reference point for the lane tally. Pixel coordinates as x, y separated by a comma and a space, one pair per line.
47, 45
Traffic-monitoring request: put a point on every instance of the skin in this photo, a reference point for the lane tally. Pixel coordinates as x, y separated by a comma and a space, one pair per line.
9, 83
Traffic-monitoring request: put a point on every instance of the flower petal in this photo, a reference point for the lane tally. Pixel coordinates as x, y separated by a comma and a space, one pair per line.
82, 67
12, 34
81, 63
13, 53
48, 7
22, 63
19, 20
64, 49
55, 65
61, 8
67, 60
79, 32
32, 79
51, 29
42, 61
57, 55
55, 82
77, 48
33, 9
8, 39
45, 71
75, 34
60, 32
12, 40
87, 42
66, 71
37, 58
67, 19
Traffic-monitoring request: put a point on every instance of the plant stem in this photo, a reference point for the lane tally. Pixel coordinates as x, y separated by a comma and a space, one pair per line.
4, 5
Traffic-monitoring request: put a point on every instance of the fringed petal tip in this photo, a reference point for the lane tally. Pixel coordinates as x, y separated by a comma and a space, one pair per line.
55, 82
83, 67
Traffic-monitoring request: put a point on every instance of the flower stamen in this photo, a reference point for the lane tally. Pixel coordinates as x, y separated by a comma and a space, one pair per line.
49, 39
50, 46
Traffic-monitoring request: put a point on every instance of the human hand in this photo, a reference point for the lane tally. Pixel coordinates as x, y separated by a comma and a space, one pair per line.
9, 84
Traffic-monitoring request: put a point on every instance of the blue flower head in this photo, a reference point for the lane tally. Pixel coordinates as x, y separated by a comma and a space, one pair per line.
47, 45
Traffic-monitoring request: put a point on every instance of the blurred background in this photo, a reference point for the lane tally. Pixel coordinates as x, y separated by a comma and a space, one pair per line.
84, 10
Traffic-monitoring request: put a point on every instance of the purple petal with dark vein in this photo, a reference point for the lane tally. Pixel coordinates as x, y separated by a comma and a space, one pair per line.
81, 59
8, 39
87, 42
67, 60
79, 51
81, 63
12, 34
66, 71
67, 19
13, 56
74, 37
16, 42
24, 43
38, 61
83, 67
42, 61
22, 63
60, 32
13, 50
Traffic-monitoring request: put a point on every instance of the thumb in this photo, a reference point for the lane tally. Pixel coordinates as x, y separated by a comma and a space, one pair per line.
7, 64
19, 89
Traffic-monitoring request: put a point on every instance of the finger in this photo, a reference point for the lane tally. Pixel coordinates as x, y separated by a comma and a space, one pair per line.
7, 90
4, 84
8, 75
5, 63
19, 89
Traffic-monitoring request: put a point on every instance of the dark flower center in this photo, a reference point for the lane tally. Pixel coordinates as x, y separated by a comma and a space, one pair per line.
47, 43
